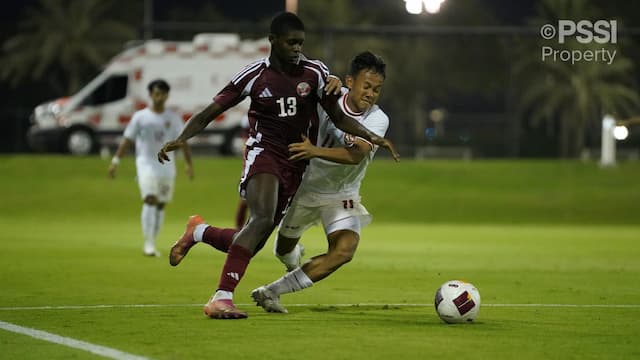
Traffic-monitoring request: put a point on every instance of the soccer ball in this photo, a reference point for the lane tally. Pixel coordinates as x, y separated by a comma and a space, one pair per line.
457, 302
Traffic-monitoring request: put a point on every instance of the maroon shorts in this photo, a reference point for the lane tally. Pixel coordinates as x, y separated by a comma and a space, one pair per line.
260, 161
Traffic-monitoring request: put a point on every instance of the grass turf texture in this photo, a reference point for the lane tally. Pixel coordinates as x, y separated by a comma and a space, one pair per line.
522, 232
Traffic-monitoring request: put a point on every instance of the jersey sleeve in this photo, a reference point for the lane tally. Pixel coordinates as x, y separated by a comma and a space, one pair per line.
133, 127
322, 71
240, 85
229, 96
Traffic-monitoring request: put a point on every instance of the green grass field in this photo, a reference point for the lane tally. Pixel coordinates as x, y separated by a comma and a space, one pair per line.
553, 247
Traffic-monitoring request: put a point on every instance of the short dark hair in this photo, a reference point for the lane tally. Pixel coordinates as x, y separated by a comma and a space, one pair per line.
160, 84
285, 22
367, 60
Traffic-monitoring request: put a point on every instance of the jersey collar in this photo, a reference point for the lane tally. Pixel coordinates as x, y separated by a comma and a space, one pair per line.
347, 110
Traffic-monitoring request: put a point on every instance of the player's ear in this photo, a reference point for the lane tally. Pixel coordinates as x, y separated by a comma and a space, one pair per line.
272, 38
348, 81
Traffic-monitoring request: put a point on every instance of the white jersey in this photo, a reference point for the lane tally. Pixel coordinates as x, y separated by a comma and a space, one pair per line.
150, 131
324, 181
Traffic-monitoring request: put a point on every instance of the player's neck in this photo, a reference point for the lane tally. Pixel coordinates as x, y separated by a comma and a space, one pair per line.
350, 104
280, 66
159, 109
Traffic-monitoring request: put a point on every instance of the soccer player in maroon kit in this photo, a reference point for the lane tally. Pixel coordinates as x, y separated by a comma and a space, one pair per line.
285, 89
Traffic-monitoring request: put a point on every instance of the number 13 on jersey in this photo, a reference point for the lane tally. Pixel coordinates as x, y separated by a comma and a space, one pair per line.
287, 106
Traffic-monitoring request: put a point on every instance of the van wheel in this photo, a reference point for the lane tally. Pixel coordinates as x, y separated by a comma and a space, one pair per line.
79, 142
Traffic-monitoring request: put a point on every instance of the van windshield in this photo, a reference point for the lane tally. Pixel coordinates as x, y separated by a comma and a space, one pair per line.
113, 89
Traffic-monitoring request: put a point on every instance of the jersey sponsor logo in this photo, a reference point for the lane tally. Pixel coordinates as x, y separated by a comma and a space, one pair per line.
303, 89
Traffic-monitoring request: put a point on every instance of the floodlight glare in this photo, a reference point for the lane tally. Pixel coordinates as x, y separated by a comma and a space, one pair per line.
620, 132
413, 6
432, 6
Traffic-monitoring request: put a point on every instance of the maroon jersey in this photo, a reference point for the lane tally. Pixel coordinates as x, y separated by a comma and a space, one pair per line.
283, 106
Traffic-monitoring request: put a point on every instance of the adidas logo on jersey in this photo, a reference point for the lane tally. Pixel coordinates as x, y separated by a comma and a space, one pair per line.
265, 93
234, 275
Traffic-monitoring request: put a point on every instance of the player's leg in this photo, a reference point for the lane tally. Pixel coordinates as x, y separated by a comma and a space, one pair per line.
241, 213
197, 230
149, 190
342, 226
288, 251
295, 222
342, 248
159, 219
262, 199
164, 196
149, 218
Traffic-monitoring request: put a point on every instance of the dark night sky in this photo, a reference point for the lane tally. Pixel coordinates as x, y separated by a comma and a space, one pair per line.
12, 9
509, 11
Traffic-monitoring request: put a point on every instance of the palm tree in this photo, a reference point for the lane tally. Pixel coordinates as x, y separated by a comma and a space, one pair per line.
571, 97
74, 36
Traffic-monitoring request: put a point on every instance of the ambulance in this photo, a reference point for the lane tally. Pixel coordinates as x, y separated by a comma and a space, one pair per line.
95, 117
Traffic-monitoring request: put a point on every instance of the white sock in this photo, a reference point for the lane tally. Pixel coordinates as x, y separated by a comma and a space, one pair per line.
148, 220
159, 222
291, 259
223, 295
198, 232
290, 282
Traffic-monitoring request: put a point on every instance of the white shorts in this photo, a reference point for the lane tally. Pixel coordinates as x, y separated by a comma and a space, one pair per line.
349, 215
159, 186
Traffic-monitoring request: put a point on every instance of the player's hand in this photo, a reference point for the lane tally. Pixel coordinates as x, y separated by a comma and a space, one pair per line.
112, 171
333, 86
168, 147
385, 143
302, 150
189, 170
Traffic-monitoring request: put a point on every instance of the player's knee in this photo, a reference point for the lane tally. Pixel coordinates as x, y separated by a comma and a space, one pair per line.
342, 256
151, 200
260, 224
285, 245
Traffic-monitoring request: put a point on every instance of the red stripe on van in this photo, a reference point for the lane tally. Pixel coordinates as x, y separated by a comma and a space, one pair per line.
124, 119
139, 105
95, 119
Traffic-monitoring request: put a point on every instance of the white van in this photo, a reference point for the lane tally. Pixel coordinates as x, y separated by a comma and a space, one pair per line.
96, 116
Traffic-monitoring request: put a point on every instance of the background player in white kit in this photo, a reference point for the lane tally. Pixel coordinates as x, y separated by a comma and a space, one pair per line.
150, 128
330, 188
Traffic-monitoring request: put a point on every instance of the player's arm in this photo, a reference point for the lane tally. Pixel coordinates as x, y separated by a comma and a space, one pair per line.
125, 144
196, 124
352, 126
349, 155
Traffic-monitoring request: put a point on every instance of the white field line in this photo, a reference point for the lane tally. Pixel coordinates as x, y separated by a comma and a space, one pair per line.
124, 306
70, 342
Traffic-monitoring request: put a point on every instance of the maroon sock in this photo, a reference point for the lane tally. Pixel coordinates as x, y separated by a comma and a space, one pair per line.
219, 238
234, 267
241, 214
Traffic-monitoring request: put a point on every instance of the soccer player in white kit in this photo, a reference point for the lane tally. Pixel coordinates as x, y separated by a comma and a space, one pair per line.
330, 188
150, 128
